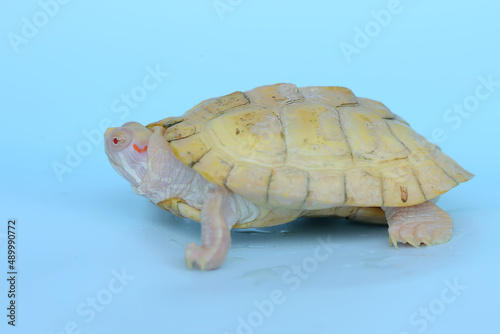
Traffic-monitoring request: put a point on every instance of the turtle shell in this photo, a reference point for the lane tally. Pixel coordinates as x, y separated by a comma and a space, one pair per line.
310, 148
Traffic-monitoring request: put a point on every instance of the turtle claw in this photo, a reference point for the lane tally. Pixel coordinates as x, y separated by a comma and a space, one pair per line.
194, 256
416, 234
407, 235
189, 264
393, 241
202, 258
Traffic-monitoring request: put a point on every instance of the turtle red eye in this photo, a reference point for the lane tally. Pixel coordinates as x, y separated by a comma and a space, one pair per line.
119, 139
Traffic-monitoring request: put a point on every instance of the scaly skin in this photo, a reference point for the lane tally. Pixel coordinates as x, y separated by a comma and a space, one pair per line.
145, 159
269, 155
218, 216
422, 223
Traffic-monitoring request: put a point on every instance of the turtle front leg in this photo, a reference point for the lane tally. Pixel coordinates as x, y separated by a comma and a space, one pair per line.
218, 215
422, 223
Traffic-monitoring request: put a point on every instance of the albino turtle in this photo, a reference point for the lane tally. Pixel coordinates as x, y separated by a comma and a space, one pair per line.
278, 152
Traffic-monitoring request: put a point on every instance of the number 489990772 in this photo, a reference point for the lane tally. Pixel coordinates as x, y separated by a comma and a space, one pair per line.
11, 253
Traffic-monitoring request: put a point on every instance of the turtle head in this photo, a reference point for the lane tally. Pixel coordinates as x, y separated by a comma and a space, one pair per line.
126, 148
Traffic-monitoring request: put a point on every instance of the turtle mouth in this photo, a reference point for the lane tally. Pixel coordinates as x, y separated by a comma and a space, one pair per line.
116, 166
127, 150
128, 165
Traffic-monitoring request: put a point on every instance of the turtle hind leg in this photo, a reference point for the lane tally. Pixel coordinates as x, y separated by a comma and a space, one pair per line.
218, 215
422, 223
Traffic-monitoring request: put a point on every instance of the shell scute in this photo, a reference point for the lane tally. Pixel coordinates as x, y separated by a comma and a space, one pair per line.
214, 166
181, 130
310, 148
330, 96
313, 137
401, 187
245, 135
250, 179
288, 187
323, 197
275, 95
376, 107
192, 150
370, 139
218, 106
364, 185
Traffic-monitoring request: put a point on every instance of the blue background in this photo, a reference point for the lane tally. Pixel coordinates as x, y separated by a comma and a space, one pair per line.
80, 225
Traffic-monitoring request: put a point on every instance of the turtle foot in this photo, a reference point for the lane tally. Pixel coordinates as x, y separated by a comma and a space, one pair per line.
204, 258
424, 223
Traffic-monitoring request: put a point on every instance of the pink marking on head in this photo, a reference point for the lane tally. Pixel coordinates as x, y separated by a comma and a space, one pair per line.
140, 150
